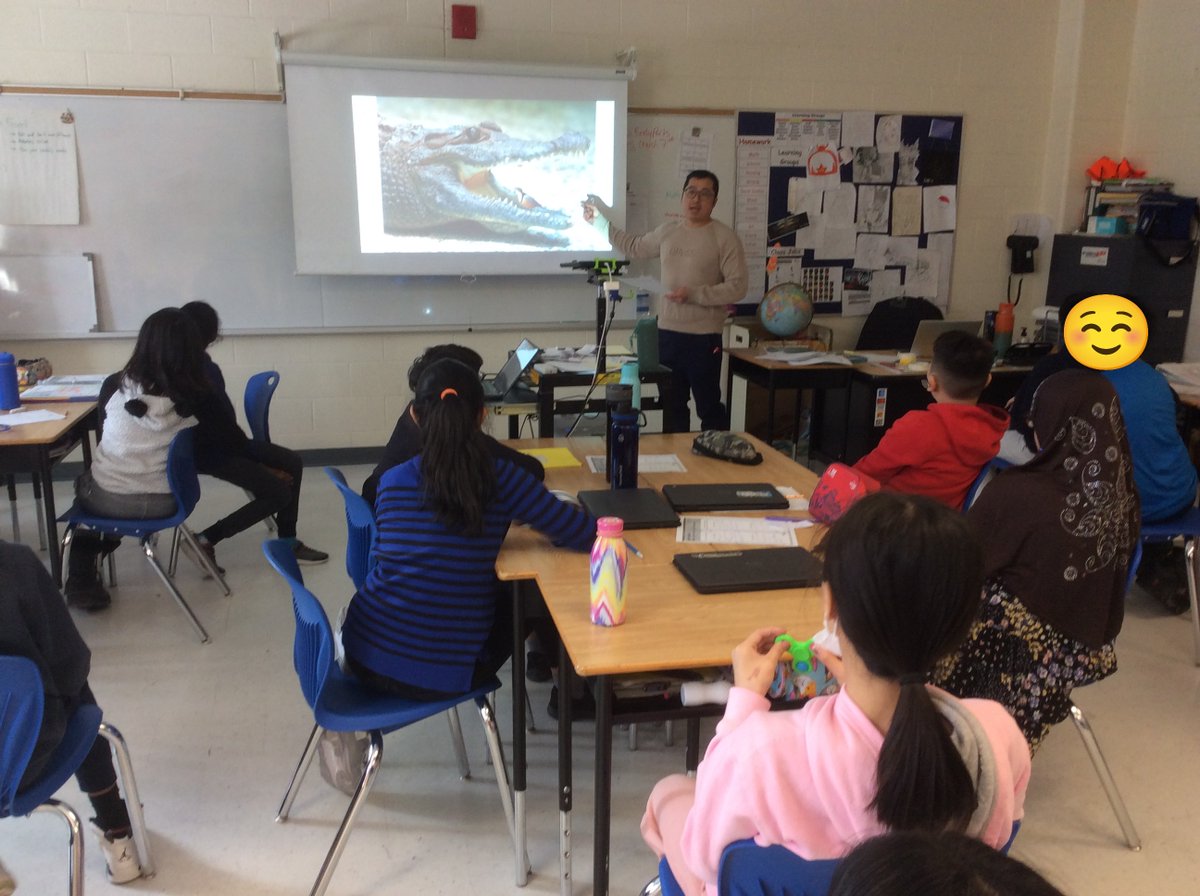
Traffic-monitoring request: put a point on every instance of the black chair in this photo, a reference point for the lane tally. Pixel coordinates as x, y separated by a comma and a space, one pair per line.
892, 323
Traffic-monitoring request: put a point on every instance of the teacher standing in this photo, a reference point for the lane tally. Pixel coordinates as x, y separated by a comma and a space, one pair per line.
703, 271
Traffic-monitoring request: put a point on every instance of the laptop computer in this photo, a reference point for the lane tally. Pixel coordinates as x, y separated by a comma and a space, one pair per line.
640, 508
929, 330
725, 496
755, 569
514, 368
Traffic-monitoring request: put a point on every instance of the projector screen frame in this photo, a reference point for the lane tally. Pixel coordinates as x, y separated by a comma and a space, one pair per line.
323, 160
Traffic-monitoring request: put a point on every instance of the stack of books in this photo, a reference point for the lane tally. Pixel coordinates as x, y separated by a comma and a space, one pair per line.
1110, 206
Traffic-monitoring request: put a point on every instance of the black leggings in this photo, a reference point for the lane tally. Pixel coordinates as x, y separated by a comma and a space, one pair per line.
272, 493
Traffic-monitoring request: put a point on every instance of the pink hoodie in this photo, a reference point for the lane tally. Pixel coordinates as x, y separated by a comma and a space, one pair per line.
805, 779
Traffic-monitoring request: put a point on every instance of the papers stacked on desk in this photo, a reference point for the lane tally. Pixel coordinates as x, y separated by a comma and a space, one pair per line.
798, 357
66, 388
1184, 378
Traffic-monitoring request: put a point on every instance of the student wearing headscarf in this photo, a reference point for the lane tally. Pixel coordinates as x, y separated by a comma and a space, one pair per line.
1059, 533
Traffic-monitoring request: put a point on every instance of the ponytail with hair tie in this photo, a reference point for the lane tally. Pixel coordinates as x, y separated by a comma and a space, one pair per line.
448, 391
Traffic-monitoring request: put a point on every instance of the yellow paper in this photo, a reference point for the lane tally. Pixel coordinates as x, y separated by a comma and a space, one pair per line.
553, 457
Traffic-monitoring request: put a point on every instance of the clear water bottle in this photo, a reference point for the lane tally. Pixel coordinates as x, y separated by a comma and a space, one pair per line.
631, 377
642, 299
607, 572
10, 396
624, 441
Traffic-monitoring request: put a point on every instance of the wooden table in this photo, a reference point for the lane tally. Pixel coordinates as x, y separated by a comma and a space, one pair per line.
669, 625
35, 448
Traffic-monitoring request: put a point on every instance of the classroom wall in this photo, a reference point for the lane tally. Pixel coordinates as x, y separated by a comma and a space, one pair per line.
1040, 101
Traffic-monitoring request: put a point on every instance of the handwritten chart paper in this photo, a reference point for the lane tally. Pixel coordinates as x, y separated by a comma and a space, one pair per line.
39, 171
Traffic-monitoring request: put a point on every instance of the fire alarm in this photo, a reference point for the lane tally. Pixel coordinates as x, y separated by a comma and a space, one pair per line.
462, 22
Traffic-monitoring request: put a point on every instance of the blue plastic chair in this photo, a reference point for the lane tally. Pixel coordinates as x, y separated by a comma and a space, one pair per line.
340, 703
21, 706
990, 469
256, 401
1187, 527
360, 529
185, 486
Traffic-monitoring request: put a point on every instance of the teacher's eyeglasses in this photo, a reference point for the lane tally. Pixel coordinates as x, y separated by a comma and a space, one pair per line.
693, 193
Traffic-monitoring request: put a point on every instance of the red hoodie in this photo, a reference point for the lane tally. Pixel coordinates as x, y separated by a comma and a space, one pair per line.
938, 451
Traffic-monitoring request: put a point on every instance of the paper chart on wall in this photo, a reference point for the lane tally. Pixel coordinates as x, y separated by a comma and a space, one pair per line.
39, 171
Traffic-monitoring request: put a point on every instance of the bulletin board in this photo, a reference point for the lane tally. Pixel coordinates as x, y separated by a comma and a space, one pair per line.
855, 206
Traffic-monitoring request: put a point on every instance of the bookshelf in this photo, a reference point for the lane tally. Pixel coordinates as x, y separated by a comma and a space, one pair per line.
1118, 198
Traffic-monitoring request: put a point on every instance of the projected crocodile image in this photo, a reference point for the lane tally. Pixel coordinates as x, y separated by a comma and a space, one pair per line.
446, 177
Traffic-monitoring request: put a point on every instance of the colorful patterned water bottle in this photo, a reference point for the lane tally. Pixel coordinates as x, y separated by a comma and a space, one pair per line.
609, 560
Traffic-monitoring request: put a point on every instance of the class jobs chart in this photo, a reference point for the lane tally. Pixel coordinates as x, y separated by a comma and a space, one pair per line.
856, 207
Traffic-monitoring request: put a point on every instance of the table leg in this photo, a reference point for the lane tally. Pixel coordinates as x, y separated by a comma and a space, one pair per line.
520, 758
545, 404
602, 832
55, 549
566, 675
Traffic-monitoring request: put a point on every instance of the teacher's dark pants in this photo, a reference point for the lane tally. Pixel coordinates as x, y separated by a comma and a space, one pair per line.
695, 362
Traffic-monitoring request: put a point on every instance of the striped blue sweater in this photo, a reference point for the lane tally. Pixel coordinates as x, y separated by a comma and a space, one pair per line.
427, 606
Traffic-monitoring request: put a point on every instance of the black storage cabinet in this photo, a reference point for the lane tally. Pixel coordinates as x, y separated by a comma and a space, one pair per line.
1129, 269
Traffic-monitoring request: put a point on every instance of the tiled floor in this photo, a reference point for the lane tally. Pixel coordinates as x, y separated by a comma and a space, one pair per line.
215, 731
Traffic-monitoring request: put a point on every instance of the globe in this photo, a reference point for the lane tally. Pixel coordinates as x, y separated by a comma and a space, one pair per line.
785, 310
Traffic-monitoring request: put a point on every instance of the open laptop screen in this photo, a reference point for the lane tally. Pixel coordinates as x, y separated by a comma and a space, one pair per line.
517, 363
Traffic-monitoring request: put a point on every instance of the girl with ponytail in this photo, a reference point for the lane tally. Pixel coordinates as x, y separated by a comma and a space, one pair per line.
903, 578
429, 622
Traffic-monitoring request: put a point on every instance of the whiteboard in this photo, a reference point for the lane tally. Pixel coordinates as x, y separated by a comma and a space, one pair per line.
47, 295
191, 199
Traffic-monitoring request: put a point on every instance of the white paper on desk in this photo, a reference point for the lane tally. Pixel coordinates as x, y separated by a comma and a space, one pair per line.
647, 463
796, 501
24, 418
805, 359
734, 530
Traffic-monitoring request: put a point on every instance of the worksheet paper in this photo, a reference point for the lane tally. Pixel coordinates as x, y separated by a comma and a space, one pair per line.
24, 418
736, 530
647, 463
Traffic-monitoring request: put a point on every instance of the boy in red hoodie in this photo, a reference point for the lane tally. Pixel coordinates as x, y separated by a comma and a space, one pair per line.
939, 451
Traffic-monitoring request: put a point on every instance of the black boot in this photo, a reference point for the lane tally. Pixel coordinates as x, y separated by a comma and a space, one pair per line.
83, 589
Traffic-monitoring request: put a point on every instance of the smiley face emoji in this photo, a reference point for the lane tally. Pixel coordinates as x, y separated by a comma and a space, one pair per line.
1105, 332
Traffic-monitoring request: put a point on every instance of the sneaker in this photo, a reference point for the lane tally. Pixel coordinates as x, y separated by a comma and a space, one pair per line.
120, 856
87, 594
583, 707
210, 552
307, 556
7, 885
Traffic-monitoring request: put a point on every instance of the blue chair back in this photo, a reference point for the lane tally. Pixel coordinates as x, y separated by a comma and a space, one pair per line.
21, 705
360, 529
990, 469
748, 869
260, 388
313, 651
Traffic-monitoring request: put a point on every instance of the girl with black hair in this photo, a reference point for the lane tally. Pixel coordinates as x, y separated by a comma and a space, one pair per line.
888, 752
142, 408
429, 622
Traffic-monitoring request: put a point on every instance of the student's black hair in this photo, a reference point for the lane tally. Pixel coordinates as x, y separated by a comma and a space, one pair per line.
703, 174
906, 575
206, 319
459, 353
458, 477
962, 363
934, 864
168, 359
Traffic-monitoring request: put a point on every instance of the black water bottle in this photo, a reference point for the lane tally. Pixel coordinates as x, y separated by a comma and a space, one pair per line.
624, 447
616, 396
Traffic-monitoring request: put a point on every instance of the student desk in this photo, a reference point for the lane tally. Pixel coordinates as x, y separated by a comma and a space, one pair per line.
857, 413
548, 383
669, 626
37, 447
772, 375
